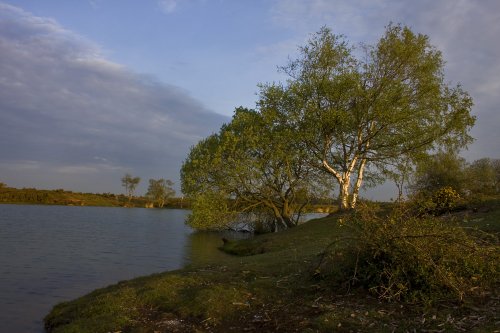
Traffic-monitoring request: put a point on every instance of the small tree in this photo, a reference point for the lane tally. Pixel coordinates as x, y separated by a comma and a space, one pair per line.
130, 183
160, 190
443, 169
483, 176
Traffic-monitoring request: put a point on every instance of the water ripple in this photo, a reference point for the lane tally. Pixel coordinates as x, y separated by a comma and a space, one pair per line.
51, 254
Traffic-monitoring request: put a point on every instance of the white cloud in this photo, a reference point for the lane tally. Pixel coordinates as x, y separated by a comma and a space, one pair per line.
95, 4
63, 104
168, 6
357, 18
466, 31
80, 170
20, 165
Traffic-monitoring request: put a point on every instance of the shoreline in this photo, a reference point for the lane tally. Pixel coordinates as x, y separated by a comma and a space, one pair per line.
267, 285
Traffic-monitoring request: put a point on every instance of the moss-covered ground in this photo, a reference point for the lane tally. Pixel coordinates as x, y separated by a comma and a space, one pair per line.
267, 284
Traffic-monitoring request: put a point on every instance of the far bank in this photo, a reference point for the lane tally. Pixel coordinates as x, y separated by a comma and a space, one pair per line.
33, 196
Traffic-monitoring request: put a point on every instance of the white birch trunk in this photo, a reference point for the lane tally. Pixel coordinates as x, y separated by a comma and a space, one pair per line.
357, 185
344, 194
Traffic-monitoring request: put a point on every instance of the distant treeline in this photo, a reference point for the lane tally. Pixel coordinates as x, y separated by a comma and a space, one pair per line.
68, 198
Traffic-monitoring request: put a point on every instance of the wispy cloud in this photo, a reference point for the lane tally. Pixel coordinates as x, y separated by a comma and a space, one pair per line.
20, 165
354, 18
79, 170
167, 6
62, 104
95, 4
465, 31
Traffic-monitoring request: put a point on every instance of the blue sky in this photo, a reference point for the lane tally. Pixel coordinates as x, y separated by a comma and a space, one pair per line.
90, 90
214, 49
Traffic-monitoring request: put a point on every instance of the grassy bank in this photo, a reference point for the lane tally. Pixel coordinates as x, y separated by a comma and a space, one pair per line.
271, 284
32, 196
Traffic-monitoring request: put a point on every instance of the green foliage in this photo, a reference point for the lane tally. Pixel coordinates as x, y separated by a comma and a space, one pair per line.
130, 183
56, 197
211, 211
403, 257
252, 168
353, 118
445, 200
160, 190
443, 169
484, 177
201, 169
445, 182
438, 202
10, 195
358, 116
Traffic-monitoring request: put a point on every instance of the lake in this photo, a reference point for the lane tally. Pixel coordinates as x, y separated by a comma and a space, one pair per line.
51, 254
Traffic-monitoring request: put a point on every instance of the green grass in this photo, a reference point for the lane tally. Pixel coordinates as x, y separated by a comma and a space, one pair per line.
9, 195
268, 285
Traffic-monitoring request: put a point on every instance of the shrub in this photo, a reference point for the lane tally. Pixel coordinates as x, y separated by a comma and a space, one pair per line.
446, 199
441, 201
410, 258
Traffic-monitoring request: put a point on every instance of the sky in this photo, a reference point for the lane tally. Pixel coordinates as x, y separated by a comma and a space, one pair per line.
93, 89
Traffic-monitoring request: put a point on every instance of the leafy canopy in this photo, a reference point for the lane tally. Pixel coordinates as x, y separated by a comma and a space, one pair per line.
160, 190
130, 183
252, 167
359, 111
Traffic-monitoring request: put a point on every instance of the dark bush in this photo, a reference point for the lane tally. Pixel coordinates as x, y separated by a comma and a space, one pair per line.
441, 201
403, 257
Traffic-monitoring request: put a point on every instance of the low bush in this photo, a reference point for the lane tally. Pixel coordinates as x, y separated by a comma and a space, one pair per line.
441, 201
445, 200
403, 257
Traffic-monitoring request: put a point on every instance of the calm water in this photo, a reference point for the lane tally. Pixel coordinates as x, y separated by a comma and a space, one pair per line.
50, 254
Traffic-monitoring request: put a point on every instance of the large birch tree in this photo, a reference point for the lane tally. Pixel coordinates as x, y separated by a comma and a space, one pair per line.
361, 110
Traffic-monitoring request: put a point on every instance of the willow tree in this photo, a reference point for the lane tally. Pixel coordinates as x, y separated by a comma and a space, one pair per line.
360, 110
252, 167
